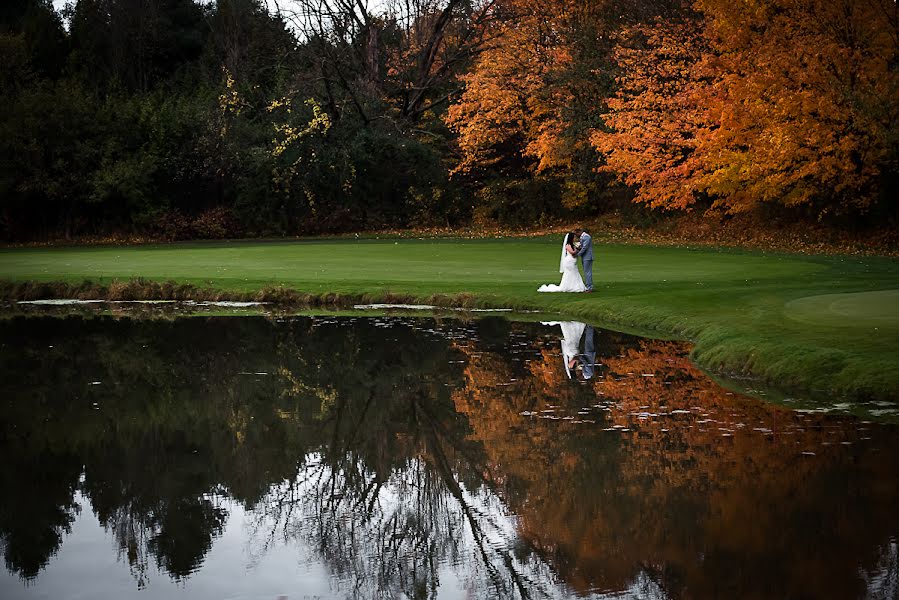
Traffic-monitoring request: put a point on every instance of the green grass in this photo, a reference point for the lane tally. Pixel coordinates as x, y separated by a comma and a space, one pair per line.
821, 323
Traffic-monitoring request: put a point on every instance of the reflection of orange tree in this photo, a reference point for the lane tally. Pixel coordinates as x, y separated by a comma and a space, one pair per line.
697, 487
496, 401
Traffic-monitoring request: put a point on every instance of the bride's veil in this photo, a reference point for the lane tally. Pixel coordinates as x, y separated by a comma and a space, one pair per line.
562, 260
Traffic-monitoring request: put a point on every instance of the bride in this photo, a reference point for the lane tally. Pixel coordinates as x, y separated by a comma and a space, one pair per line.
571, 277
572, 332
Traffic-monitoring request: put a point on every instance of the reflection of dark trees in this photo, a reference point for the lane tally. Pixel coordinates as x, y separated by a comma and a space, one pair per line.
381, 498
883, 583
154, 437
176, 425
391, 460
155, 508
37, 475
38, 508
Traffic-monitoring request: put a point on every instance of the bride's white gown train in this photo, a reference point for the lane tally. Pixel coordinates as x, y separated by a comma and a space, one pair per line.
571, 277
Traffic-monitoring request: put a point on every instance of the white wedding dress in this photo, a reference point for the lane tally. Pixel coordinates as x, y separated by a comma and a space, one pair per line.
572, 332
571, 277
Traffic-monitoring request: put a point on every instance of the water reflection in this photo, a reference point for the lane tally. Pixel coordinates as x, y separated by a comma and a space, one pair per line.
578, 348
426, 458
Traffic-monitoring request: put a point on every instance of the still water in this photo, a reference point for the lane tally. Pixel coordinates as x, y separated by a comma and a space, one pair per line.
392, 457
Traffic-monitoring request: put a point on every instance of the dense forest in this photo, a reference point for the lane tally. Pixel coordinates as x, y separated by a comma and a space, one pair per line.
183, 119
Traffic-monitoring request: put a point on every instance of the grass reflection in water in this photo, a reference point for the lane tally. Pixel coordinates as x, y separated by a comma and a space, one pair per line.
420, 456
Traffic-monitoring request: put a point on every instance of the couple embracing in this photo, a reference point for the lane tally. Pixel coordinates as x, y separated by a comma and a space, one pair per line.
576, 243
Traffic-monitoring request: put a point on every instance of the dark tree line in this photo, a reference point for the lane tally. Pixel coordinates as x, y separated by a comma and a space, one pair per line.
176, 119
182, 119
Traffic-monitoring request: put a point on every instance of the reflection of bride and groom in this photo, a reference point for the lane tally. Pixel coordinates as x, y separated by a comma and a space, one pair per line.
577, 243
582, 364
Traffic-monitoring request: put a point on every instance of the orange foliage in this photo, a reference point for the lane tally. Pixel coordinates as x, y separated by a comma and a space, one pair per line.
653, 464
519, 92
661, 114
783, 101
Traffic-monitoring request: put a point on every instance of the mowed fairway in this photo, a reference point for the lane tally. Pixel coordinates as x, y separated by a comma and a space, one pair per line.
799, 322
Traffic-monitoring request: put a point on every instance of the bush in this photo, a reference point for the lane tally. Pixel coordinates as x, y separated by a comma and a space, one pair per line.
170, 225
215, 223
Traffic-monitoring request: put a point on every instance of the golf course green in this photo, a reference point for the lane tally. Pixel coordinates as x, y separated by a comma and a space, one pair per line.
824, 324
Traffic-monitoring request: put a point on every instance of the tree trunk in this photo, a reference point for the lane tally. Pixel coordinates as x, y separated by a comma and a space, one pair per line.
371, 57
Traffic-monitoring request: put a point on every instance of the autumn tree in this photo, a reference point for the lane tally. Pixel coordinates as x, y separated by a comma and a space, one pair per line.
813, 106
533, 97
778, 101
662, 111
520, 90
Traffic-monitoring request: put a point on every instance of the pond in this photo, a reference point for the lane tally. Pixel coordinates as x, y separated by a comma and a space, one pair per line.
400, 457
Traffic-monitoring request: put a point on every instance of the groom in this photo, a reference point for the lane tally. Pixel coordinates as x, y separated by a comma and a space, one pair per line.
589, 355
586, 254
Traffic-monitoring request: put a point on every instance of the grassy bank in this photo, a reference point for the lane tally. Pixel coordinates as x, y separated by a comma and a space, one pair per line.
797, 322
